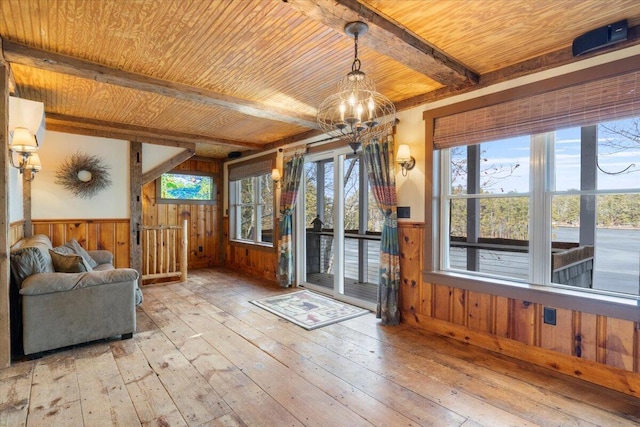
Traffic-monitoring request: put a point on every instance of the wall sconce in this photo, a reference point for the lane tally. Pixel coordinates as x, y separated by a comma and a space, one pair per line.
27, 131
33, 164
404, 158
24, 144
276, 177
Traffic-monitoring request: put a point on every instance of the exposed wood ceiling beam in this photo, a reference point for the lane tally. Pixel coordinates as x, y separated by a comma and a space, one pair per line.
55, 62
13, 89
62, 123
390, 39
292, 139
531, 66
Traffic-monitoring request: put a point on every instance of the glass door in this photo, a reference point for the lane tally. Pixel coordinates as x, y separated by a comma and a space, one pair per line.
339, 245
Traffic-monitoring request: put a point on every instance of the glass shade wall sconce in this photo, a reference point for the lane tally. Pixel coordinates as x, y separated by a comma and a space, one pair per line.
405, 159
276, 177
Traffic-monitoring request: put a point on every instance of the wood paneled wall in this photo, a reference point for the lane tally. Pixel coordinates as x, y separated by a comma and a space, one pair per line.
599, 349
254, 260
204, 221
109, 234
16, 232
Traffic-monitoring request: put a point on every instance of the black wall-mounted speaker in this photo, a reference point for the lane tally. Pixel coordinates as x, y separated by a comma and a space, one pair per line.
600, 37
234, 154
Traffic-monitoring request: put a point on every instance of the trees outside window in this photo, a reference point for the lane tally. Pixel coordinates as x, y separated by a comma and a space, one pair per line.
252, 209
561, 208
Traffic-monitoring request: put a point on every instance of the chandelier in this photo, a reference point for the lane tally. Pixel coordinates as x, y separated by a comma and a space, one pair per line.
357, 112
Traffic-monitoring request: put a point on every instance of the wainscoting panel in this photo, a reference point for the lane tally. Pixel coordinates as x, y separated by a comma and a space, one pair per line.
16, 232
108, 234
254, 260
599, 349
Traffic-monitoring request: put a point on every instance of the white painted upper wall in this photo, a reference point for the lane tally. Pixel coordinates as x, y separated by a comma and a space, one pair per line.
410, 188
52, 201
14, 186
155, 155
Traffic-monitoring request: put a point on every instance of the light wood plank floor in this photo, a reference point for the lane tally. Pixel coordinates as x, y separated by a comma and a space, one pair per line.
204, 355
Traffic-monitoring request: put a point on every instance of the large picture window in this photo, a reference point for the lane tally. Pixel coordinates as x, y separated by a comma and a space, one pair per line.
558, 208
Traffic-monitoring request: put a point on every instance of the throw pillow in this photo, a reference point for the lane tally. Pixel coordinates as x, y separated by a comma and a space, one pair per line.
25, 262
69, 263
79, 250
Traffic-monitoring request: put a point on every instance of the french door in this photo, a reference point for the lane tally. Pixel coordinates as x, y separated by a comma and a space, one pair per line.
338, 229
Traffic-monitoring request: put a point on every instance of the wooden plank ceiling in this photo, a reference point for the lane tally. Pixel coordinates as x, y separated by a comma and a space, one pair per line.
247, 75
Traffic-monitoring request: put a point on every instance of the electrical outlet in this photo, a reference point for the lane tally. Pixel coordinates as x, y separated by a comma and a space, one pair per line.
199, 248
550, 316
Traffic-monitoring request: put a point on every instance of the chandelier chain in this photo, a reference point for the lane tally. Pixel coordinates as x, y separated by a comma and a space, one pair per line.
356, 62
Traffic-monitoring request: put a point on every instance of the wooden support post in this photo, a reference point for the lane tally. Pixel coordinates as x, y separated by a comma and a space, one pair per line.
5, 330
135, 204
27, 178
184, 255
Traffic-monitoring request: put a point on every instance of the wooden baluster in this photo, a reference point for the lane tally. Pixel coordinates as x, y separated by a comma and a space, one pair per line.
183, 252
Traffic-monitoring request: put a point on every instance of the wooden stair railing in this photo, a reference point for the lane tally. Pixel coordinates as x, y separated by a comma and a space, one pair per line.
165, 253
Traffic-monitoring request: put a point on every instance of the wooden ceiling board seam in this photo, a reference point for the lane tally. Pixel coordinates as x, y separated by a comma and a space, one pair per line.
220, 35
205, 36
141, 59
222, 61
184, 63
270, 59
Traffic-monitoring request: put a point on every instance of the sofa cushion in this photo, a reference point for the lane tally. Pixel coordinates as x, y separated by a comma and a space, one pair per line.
46, 283
101, 256
72, 246
69, 263
42, 244
25, 262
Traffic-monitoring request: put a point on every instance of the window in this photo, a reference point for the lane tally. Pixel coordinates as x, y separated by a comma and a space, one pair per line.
488, 207
252, 203
558, 208
185, 187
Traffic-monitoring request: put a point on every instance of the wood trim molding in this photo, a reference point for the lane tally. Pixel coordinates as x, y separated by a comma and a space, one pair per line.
81, 221
597, 72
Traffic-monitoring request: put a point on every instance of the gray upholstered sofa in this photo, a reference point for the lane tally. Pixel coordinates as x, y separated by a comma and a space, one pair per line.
65, 295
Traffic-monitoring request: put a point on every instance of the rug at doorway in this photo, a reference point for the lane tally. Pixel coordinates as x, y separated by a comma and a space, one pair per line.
309, 310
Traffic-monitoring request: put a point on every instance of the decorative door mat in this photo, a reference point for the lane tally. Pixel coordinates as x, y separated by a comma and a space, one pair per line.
309, 310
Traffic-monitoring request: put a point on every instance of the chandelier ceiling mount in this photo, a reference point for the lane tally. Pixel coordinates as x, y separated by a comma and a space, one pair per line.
357, 112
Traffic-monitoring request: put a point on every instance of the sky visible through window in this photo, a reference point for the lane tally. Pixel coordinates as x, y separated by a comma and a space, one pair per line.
504, 170
512, 157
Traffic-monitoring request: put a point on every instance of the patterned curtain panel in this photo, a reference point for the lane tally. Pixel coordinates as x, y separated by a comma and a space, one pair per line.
378, 156
289, 193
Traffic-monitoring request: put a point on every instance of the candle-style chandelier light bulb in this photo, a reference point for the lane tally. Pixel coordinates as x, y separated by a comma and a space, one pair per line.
357, 112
